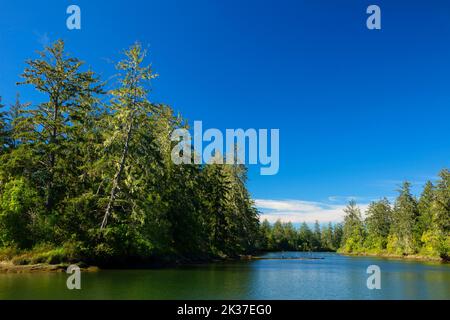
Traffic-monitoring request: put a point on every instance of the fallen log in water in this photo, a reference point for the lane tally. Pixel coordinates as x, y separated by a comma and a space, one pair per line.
279, 258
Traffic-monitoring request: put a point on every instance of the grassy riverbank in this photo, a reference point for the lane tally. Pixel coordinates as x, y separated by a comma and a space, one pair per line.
47, 258
9, 267
414, 257
42, 258
41, 254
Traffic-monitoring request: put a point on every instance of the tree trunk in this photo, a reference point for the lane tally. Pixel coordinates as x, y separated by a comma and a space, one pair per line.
49, 200
118, 175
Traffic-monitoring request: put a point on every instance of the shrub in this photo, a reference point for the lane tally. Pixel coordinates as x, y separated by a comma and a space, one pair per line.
18, 204
393, 246
8, 253
430, 243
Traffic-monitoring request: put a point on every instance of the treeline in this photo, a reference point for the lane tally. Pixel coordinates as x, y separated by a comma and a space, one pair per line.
285, 237
87, 172
409, 226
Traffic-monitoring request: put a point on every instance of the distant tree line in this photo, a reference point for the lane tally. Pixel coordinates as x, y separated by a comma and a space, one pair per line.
285, 237
409, 226
86, 173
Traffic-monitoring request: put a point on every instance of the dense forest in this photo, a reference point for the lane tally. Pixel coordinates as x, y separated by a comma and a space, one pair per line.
409, 226
86, 174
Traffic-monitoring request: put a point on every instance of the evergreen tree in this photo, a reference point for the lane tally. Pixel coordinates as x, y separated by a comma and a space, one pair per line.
15, 115
337, 236
427, 229
327, 238
3, 126
442, 218
353, 230
265, 232
129, 104
378, 224
305, 237
316, 244
59, 78
442, 215
425, 207
405, 218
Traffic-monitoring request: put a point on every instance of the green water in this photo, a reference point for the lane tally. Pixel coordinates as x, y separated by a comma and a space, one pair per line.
333, 277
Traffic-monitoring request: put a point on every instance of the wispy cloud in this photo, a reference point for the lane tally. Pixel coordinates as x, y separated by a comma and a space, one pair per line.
396, 183
344, 198
42, 38
298, 211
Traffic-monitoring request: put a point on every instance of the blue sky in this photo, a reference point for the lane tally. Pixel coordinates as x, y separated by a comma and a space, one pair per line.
358, 110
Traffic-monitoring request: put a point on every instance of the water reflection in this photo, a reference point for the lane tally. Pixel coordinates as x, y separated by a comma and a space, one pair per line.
314, 276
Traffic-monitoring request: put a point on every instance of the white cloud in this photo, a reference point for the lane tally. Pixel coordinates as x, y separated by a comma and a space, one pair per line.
298, 211
287, 205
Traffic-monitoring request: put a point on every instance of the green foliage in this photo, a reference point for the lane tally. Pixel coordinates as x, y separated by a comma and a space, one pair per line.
3, 128
88, 175
338, 234
411, 227
42, 253
68, 101
378, 224
353, 231
327, 237
19, 214
431, 243
426, 208
442, 203
9, 252
305, 238
285, 237
405, 216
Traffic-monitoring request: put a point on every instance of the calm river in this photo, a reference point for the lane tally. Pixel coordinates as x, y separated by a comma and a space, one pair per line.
331, 277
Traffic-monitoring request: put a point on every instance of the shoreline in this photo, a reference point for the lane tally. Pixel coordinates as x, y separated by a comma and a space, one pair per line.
9, 267
415, 257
